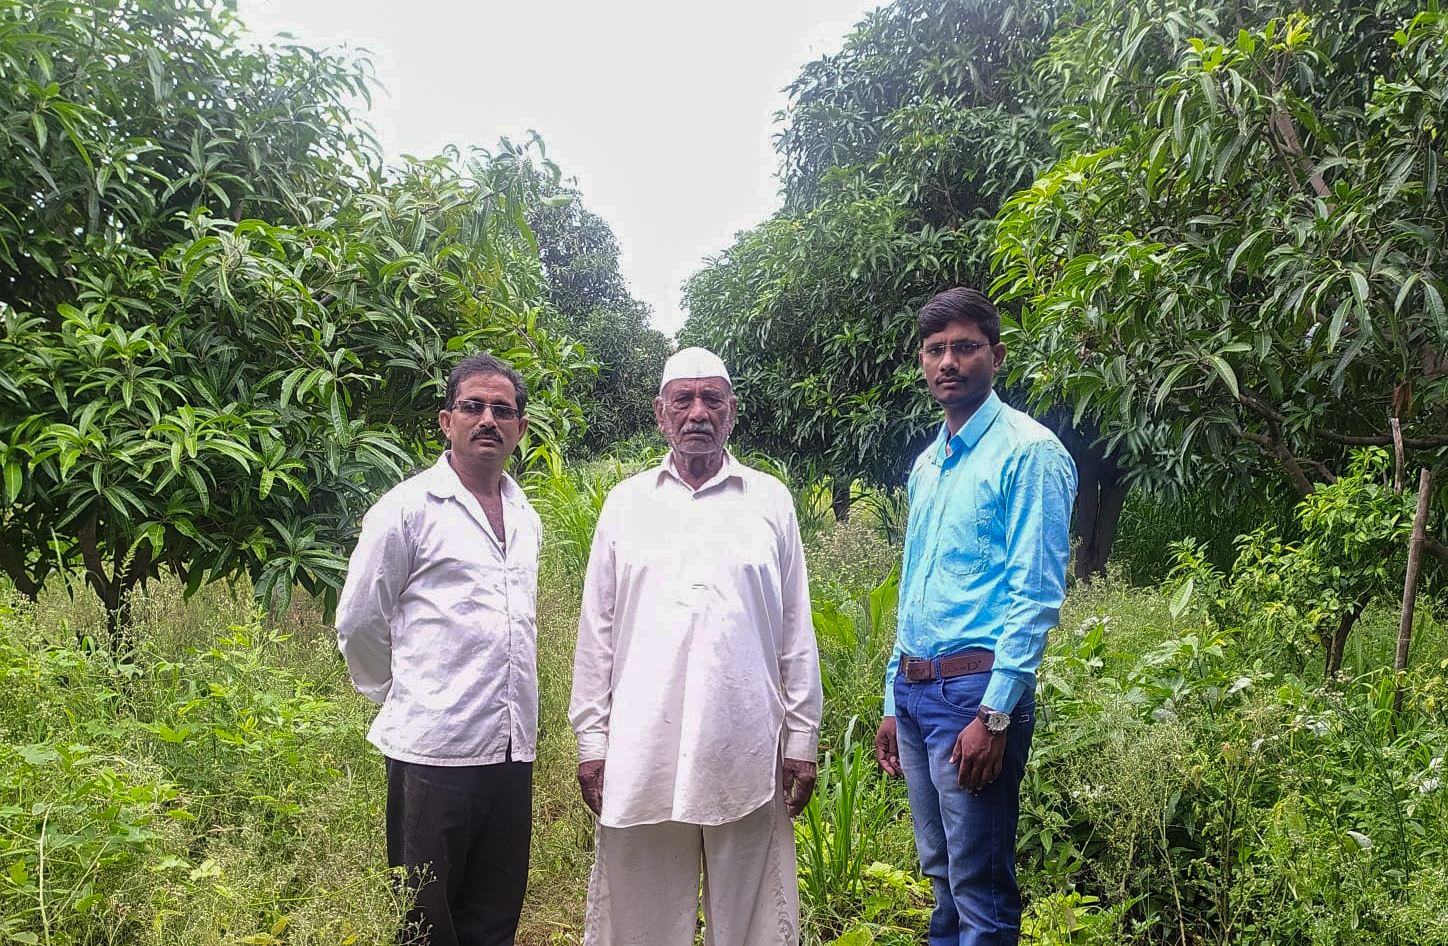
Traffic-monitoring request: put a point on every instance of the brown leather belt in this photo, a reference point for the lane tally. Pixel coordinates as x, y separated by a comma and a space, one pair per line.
920, 669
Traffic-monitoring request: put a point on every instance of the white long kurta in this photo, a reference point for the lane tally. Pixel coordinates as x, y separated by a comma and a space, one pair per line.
696, 665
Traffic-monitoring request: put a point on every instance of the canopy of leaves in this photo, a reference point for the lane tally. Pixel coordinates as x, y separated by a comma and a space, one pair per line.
896, 154
1237, 267
224, 325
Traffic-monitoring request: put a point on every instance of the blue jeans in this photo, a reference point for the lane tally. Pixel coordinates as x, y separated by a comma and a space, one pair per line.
967, 843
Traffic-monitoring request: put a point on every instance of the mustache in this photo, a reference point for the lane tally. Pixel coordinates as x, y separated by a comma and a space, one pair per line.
697, 427
486, 433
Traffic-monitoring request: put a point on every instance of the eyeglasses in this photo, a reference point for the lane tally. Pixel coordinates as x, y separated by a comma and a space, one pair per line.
473, 408
960, 349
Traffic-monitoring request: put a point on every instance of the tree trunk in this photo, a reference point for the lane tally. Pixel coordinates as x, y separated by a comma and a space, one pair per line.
129, 567
1099, 497
1096, 534
841, 499
1338, 644
1410, 587
14, 566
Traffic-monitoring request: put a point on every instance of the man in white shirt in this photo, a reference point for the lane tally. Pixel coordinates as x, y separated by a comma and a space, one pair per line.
436, 622
696, 687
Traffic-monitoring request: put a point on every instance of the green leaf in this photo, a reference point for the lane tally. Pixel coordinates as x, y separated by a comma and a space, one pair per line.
14, 480
1225, 373
1182, 598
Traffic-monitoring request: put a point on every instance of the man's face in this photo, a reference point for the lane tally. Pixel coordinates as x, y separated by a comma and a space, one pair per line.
474, 430
696, 415
960, 381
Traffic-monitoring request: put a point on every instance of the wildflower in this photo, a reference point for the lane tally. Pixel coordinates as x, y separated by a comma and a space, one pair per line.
1363, 841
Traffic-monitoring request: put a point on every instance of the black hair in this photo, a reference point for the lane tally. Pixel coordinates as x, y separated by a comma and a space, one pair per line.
484, 365
959, 305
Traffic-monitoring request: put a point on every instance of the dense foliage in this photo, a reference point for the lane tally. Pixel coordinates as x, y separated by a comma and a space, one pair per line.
896, 155
589, 300
1237, 266
1222, 226
225, 326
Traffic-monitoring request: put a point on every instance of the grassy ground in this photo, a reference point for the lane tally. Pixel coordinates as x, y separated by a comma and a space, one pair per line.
1183, 789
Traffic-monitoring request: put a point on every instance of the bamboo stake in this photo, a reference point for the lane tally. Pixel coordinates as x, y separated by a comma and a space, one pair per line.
1397, 455
1410, 585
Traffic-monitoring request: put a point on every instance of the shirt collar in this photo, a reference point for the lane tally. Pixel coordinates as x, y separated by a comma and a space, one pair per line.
970, 433
443, 482
731, 469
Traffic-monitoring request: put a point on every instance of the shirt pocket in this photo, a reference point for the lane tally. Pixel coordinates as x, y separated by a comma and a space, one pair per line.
965, 543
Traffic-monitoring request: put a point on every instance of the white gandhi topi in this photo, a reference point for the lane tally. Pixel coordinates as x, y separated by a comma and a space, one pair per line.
693, 363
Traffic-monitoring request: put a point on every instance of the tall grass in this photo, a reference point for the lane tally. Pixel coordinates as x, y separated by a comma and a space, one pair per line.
188, 798
1188, 785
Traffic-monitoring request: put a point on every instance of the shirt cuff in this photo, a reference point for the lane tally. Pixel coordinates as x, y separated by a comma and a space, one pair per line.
1002, 693
377, 693
592, 748
803, 746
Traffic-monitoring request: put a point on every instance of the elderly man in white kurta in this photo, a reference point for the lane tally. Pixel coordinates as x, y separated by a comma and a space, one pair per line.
696, 687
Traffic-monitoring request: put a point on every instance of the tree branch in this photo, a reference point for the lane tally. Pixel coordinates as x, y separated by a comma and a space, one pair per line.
1383, 440
1283, 135
1274, 445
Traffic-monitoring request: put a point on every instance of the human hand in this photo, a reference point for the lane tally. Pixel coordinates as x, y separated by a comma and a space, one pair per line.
590, 783
887, 749
980, 755
799, 783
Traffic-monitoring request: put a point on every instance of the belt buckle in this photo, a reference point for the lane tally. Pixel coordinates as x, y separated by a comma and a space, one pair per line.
918, 670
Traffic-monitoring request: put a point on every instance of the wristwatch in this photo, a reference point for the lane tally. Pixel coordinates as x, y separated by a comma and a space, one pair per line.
995, 722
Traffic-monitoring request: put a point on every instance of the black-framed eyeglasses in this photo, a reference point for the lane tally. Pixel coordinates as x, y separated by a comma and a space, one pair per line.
474, 408
960, 349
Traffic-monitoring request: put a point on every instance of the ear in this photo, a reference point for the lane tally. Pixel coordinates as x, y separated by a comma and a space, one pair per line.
998, 354
659, 415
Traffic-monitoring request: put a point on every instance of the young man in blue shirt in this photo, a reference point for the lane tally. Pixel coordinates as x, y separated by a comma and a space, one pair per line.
982, 582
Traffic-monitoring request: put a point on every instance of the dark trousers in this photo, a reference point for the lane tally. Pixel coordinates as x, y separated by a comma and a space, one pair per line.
462, 832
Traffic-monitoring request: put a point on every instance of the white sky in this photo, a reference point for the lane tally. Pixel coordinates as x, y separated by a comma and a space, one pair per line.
661, 110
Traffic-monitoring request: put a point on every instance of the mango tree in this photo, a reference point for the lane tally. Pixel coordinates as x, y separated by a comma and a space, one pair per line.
896, 153
225, 325
1237, 268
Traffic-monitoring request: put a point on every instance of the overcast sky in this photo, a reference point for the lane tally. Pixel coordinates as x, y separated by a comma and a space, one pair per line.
661, 110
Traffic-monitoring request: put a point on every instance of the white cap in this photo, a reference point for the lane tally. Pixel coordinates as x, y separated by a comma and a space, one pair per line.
693, 363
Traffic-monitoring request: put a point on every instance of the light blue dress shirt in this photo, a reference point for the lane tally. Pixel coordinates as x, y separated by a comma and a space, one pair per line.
986, 548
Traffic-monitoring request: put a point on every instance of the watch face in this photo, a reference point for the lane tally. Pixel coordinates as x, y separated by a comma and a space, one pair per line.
995, 721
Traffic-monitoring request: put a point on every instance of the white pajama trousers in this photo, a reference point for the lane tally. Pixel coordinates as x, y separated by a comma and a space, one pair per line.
644, 890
